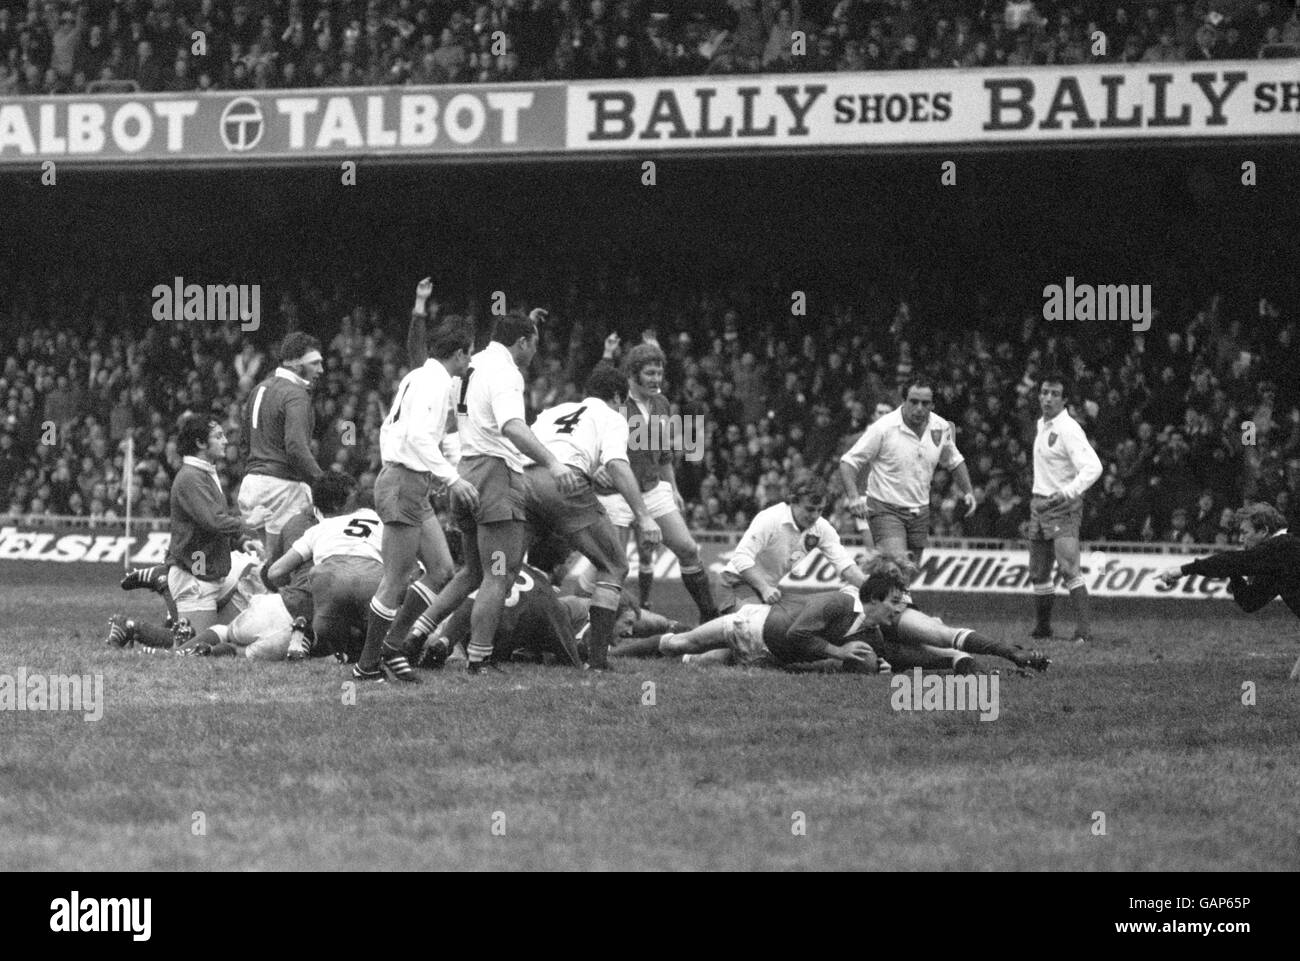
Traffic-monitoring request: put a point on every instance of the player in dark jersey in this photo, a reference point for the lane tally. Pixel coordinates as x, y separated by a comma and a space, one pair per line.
536, 621
278, 428
652, 464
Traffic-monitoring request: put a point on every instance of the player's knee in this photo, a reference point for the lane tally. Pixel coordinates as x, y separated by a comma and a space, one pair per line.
689, 555
438, 573
614, 568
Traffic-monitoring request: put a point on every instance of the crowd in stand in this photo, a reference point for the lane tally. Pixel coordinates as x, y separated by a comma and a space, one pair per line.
181, 45
1191, 419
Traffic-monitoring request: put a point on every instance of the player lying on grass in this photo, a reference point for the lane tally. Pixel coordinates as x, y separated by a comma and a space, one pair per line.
1268, 567
538, 624
908, 639
346, 565
832, 627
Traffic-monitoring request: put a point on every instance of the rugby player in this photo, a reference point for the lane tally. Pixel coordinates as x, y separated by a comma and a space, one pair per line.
495, 440
411, 442
207, 587
778, 538
278, 427
901, 451
1268, 567
587, 436
647, 416
1065, 466
347, 565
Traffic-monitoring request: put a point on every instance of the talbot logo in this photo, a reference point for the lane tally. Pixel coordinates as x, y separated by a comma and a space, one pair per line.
242, 124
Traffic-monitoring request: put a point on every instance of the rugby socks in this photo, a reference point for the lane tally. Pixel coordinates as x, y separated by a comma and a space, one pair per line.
1079, 601
604, 606
977, 643
377, 624
696, 582
154, 635
598, 640
645, 579
1044, 594
418, 598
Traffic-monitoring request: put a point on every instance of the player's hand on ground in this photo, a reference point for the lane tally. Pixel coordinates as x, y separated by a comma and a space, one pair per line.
1170, 576
647, 531
568, 480
461, 491
858, 507
772, 595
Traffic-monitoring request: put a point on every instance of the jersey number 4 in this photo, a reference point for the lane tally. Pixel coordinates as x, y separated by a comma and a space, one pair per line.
567, 425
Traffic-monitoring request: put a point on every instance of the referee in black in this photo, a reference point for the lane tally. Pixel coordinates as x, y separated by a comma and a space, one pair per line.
1268, 567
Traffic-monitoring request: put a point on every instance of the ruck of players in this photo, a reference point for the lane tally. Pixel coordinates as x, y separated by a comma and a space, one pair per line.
306, 564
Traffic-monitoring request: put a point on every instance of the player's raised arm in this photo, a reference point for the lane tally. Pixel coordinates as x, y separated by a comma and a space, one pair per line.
417, 349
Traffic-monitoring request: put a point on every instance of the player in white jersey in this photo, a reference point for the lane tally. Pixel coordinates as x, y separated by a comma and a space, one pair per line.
589, 436
1065, 465
411, 442
495, 439
901, 450
348, 565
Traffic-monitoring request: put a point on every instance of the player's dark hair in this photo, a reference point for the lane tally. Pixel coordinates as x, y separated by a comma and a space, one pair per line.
297, 344
1055, 377
811, 488
194, 433
512, 326
922, 381
453, 334
879, 586
330, 492
642, 355
1262, 517
605, 383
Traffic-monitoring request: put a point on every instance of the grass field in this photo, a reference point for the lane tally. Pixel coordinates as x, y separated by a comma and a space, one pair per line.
1147, 726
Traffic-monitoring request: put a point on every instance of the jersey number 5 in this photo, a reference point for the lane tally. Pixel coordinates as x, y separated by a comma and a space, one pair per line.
360, 527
